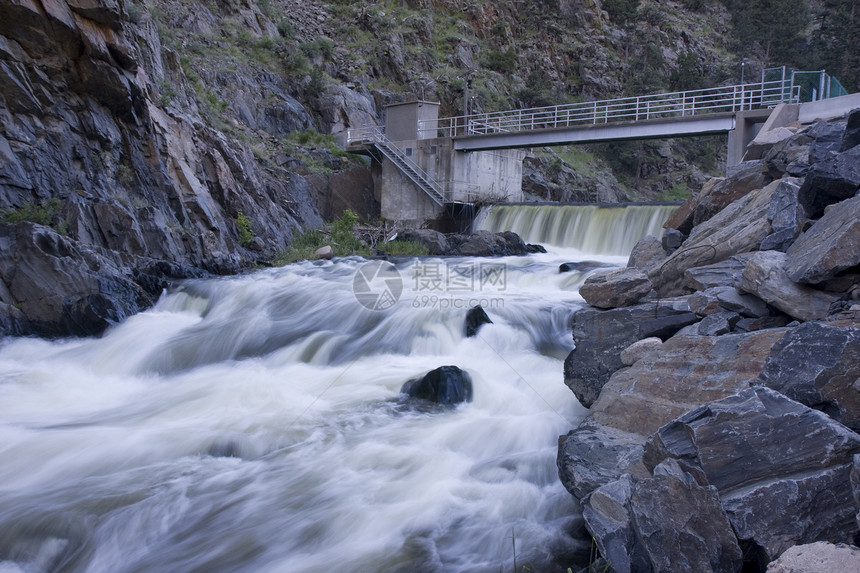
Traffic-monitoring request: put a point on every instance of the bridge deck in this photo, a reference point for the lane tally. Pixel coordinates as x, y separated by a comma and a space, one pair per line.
643, 129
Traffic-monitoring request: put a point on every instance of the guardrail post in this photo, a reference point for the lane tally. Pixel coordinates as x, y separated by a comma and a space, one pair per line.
594, 112
637, 108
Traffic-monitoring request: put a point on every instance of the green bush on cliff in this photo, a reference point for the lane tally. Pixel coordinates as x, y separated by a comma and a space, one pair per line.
246, 232
340, 236
41, 214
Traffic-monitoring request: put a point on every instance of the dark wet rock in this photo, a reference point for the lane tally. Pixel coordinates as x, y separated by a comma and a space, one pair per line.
667, 522
851, 137
592, 455
786, 217
601, 335
818, 364
446, 385
60, 287
475, 318
612, 289
765, 277
534, 249
488, 244
647, 253
581, 266
753, 324
436, 242
782, 469
672, 240
718, 323
826, 140
830, 246
831, 181
686, 372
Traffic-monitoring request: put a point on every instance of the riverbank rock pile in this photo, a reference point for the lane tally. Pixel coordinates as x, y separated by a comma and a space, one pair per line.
722, 371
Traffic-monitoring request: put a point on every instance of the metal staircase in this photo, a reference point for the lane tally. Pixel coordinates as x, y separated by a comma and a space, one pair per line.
376, 138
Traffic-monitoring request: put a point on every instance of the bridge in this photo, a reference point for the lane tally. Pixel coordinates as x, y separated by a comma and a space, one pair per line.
477, 157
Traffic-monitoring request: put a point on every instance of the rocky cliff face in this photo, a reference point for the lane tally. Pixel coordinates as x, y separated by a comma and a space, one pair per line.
131, 187
744, 403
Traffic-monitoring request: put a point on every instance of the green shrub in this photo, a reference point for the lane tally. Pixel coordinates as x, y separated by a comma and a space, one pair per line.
246, 232
43, 214
341, 237
407, 248
677, 192
503, 62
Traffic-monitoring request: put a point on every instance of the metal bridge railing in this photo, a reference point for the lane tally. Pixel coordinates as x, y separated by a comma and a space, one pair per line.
676, 104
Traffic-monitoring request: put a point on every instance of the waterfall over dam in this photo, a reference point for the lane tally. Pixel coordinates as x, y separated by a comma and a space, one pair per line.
597, 229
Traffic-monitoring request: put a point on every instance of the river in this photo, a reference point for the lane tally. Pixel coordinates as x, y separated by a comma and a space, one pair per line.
254, 423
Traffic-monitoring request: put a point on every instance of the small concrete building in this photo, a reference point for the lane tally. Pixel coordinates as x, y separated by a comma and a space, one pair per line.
422, 176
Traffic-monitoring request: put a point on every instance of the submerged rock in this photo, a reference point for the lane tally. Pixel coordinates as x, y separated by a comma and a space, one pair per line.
446, 385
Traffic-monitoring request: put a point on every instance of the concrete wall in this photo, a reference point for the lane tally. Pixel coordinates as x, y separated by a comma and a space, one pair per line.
828, 108
475, 177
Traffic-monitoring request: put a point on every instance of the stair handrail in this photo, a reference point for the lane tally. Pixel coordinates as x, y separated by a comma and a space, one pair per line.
375, 135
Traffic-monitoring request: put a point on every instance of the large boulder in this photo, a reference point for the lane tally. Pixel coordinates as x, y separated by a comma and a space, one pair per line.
782, 469
686, 372
818, 364
739, 228
647, 253
745, 177
601, 335
489, 244
593, 455
611, 289
765, 277
720, 274
831, 181
436, 242
817, 557
786, 217
446, 385
667, 522
829, 247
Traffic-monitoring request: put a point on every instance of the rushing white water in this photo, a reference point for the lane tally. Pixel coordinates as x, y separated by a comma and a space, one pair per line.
601, 229
254, 424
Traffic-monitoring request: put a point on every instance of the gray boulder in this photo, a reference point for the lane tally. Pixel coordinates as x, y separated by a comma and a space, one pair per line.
647, 253
818, 364
667, 522
723, 273
488, 244
817, 557
765, 277
786, 217
726, 298
829, 247
831, 181
601, 335
718, 323
739, 228
436, 242
782, 469
688, 371
611, 289
593, 455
